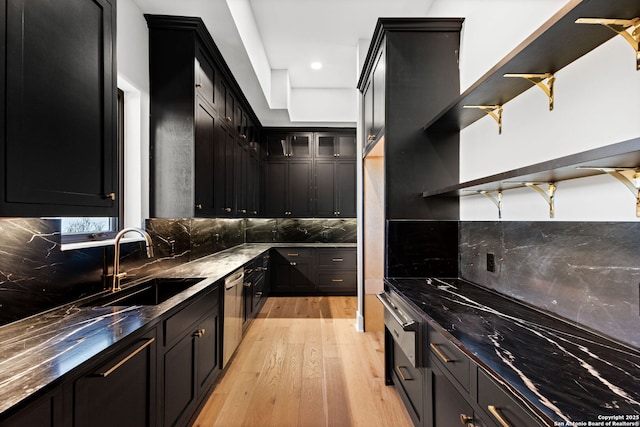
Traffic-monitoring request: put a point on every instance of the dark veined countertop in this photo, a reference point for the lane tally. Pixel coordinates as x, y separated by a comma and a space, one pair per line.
37, 351
567, 373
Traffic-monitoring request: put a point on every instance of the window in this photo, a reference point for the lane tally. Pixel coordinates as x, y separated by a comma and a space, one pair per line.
85, 229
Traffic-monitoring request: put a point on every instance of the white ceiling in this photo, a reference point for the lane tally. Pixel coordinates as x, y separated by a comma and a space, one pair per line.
258, 36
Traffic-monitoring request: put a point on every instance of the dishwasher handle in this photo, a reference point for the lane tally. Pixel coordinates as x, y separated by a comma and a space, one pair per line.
234, 279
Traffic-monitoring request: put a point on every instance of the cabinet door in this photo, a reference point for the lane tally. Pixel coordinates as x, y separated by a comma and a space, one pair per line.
300, 145
345, 190
367, 111
208, 363
230, 165
59, 112
449, 407
379, 75
326, 145
299, 186
346, 146
46, 411
277, 146
121, 392
253, 194
275, 202
205, 78
205, 145
241, 162
230, 108
300, 279
325, 188
179, 389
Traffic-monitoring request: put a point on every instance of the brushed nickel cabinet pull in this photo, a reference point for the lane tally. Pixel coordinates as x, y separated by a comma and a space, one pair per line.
293, 254
399, 369
440, 354
198, 206
496, 413
228, 118
227, 210
127, 358
337, 280
198, 84
337, 259
293, 263
111, 196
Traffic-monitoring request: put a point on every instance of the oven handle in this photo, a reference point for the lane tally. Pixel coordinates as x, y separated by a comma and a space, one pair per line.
411, 325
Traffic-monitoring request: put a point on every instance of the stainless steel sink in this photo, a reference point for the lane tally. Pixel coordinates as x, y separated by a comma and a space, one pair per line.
152, 292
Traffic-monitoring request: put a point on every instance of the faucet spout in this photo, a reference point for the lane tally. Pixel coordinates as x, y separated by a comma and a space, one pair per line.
117, 275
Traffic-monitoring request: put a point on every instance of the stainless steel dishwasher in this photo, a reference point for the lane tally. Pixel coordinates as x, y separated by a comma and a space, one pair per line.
233, 314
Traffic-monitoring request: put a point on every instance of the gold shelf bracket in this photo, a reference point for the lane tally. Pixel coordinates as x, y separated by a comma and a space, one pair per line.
629, 29
548, 195
497, 200
538, 80
494, 111
629, 177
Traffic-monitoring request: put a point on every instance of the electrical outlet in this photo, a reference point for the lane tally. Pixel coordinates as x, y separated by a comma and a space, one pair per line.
491, 262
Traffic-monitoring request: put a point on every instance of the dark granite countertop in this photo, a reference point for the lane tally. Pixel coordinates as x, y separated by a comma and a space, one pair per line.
39, 350
569, 374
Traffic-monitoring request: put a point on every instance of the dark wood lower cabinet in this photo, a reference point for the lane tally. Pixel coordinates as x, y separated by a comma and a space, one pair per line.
45, 411
304, 271
449, 407
120, 392
191, 362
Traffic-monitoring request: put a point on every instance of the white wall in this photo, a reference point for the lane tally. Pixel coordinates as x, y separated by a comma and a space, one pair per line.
324, 105
133, 78
596, 104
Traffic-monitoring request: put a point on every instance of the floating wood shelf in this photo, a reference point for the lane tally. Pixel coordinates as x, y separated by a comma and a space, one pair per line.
556, 44
588, 163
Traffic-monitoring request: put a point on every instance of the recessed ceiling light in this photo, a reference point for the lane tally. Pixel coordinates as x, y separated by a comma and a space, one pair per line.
316, 65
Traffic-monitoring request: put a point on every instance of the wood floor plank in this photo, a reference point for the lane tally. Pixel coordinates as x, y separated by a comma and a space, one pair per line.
303, 364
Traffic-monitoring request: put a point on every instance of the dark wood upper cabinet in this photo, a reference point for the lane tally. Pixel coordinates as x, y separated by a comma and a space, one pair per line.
202, 127
58, 116
410, 74
311, 173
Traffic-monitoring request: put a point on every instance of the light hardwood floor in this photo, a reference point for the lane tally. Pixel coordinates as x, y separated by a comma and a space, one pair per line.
302, 363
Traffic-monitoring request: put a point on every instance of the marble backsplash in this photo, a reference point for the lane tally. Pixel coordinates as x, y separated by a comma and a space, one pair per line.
36, 275
588, 273
292, 230
422, 248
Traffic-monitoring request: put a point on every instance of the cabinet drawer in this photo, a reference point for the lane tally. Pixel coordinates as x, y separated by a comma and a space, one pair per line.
410, 382
498, 404
450, 356
340, 280
175, 326
292, 254
337, 258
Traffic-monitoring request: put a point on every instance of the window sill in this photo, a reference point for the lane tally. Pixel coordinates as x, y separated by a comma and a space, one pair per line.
98, 243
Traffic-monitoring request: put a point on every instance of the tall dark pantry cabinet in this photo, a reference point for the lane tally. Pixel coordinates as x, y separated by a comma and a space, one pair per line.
204, 135
410, 74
